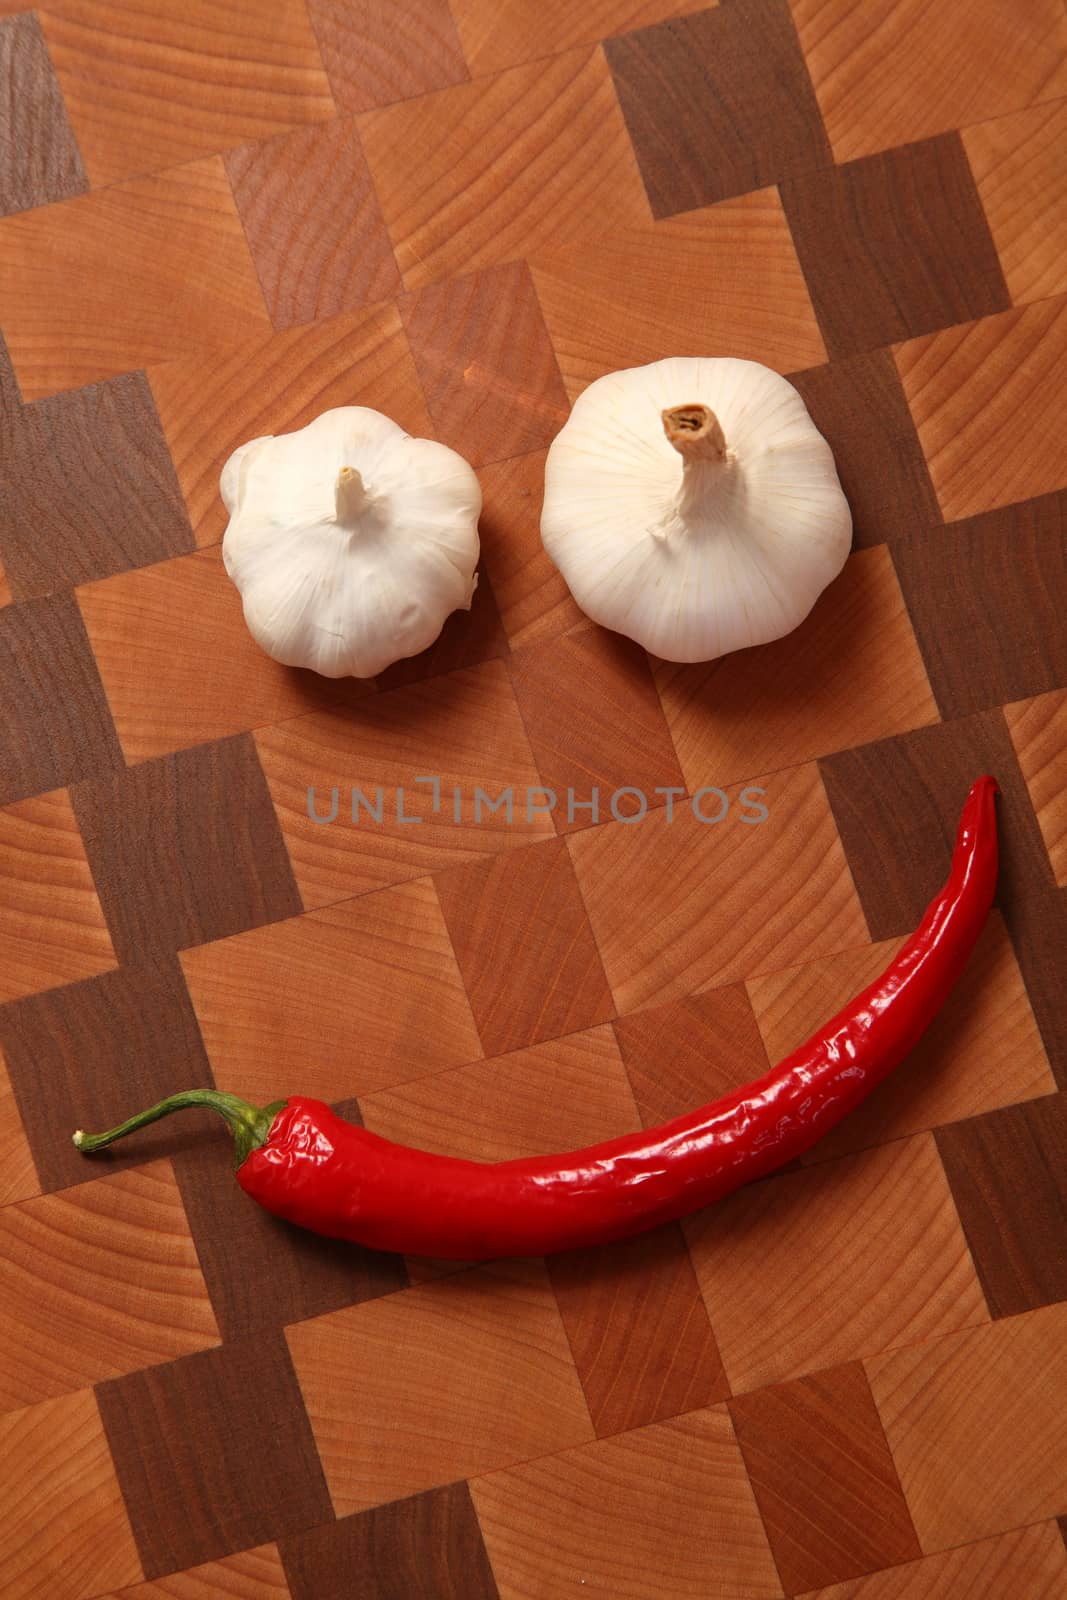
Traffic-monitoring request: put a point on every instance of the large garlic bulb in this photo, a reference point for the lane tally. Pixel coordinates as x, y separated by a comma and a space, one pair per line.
693, 505
350, 541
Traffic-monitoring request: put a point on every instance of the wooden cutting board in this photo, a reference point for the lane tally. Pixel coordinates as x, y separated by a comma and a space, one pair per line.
220, 220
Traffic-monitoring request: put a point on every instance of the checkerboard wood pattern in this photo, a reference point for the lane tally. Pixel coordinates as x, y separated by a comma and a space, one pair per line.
847, 1382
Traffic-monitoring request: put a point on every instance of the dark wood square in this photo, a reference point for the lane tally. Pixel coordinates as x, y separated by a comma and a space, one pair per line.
717, 103
1008, 1171
987, 599
90, 1054
214, 1453
186, 848
894, 245
55, 725
92, 489
39, 157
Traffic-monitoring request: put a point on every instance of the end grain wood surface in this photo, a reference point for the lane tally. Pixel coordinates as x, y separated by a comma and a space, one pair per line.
847, 1382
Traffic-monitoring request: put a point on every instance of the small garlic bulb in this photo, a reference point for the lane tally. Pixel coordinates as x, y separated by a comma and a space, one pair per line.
693, 505
350, 541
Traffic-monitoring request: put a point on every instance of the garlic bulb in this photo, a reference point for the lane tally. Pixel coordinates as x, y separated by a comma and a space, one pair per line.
350, 541
693, 505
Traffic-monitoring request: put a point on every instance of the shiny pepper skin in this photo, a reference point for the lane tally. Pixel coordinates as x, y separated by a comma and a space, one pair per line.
325, 1174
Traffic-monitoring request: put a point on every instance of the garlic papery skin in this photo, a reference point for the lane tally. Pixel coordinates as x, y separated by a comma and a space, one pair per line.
693, 505
350, 541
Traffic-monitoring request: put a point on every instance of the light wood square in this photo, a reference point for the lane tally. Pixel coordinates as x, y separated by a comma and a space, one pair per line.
562, 166
440, 1382
1038, 729
501, 33
724, 280
52, 928
210, 402
251, 1575
708, 903
1029, 1561
149, 85
57, 1470
338, 1002
982, 1050
178, 665
663, 1510
133, 274
562, 1095
990, 407
100, 1280
811, 1269
904, 69
850, 674
1020, 167
977, 1424
463, 728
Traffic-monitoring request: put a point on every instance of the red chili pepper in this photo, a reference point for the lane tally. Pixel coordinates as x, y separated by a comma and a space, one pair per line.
303, 1163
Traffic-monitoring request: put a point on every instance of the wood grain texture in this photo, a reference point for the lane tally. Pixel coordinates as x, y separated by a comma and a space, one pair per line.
957, 1408
530, 591
563, 169
923, 70
429, 1544
211, 402
1018, 165
734, 284
375, 52
894, 245
454, 1378
40, 160
56, 1459
18, 1175
251, 1575
651, 956
178, 664
638, 1330
52, 928
524, 945
101, 1279
851, 672
1008, 1174
326, 251
222, 1434
595, 724
989, 408
1026, 1561
995, 633
87, 1052
859, 407
57, 726
562, 1095
823, 1478
149, 87
616, 1517
814, 1268
1038, 729
717, 103
187, 278
340, 1001
486, 363
498, 35
92, 489
216, 865
463, 729
691, 1051
983, 1050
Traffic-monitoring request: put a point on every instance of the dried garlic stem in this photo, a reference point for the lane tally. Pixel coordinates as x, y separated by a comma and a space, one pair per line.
695, 433
350, 496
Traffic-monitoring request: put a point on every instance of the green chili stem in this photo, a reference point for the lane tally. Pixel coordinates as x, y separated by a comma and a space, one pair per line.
250, 1125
